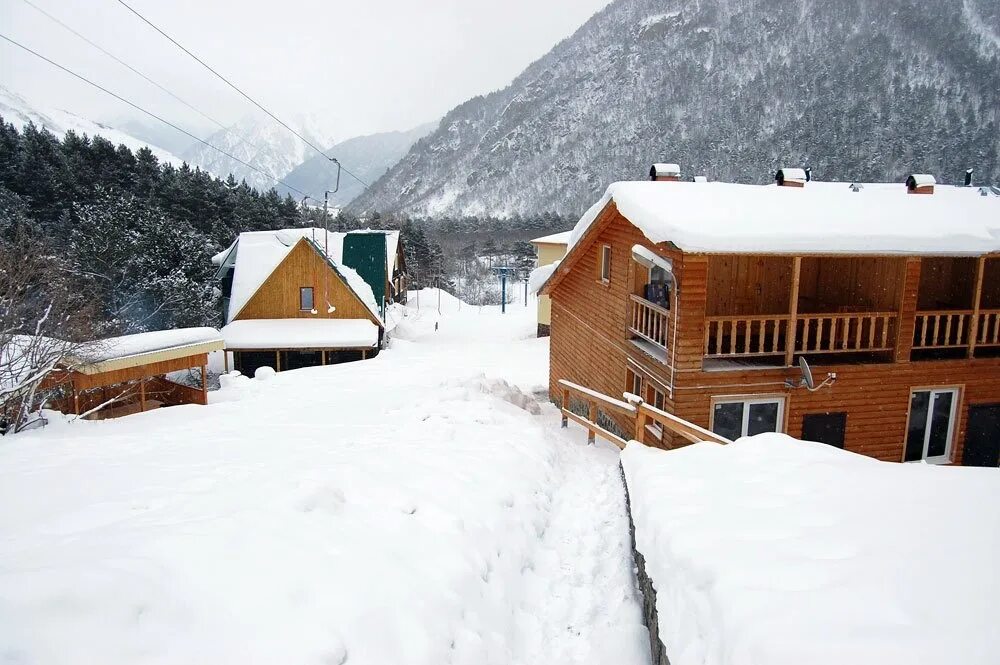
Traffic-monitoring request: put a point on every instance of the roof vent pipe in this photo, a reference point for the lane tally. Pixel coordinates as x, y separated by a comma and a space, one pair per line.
968, 177
665, 172
809, 173
920, 183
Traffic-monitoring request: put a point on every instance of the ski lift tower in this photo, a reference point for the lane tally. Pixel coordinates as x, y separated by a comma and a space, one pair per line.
502, 272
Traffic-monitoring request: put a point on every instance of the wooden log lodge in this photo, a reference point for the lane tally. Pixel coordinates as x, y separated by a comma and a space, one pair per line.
305, 297
702, 297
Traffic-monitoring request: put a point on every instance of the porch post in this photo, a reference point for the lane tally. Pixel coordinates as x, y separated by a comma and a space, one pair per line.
225, 360
907, 318
793, 312
76, 400
976, 298
142, 393
204, 384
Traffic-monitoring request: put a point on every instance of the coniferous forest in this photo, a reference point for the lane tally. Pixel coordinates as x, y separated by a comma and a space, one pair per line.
131, 238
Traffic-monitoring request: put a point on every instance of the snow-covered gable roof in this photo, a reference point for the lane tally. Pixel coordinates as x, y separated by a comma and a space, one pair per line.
665, 169
256, 254
820, 218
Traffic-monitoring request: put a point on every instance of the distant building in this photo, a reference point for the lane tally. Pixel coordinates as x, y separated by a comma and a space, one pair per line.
303, 297
548, 249
703, 298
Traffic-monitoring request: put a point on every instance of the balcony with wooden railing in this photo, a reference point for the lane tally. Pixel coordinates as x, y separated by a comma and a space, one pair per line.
946, 330
649, 326
762, 336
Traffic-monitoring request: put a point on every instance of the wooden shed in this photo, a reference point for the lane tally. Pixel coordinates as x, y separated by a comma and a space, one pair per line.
123, 375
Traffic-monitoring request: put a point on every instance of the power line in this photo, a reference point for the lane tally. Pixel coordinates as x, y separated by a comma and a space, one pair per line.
237, 89
153, 115
123, 63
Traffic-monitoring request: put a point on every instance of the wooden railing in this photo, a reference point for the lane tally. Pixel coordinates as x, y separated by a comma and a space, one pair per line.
649, 321
946, 329
988, 330
728, 336
637, 413
845, 333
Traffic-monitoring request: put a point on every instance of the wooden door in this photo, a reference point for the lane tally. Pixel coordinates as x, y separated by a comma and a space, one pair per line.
982, 436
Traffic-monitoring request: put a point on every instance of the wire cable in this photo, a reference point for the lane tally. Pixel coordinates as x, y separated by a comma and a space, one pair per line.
237, 89
156, 117
123, 63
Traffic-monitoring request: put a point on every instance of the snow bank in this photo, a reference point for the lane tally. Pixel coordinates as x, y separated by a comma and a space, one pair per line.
822, 217
300, 333
408, 509
772, 550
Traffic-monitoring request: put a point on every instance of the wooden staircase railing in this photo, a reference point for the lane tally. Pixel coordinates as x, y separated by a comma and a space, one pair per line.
638, 413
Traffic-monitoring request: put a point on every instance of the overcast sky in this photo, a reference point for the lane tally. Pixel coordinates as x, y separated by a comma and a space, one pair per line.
364, 66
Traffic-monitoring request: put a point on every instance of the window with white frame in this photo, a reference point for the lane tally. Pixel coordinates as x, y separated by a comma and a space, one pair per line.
737, 417
634, 386
606, 263
305, 298
931, 428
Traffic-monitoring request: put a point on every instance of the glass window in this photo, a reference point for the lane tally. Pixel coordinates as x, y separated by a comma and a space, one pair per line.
930, 429
634, 383
736, 418
306, 298
606, 263
728, 420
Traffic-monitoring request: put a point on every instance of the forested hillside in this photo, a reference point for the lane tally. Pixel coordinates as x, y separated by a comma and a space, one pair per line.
132, 236
730, 89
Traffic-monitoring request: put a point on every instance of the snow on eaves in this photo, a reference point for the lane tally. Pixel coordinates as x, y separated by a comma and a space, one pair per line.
820, 218
300, 334
540, 275
554, 239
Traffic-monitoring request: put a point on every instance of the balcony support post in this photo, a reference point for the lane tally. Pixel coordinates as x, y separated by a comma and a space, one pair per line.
907, 319
976, 303
793, 312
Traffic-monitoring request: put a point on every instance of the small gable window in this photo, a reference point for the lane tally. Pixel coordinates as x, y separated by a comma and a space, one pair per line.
306, 299
606, 263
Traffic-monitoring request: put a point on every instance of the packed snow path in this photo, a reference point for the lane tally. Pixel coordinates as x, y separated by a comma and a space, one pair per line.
422, 507
583, 582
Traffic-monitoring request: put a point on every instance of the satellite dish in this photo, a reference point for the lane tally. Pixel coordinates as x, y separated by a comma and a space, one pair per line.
807, 375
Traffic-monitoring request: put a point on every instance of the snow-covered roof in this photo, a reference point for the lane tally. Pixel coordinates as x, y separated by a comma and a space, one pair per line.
921, 180
300, 334
795, 174
787, 551
540, 275
665, 169
554, 239
143, 348
256, 254
819, 218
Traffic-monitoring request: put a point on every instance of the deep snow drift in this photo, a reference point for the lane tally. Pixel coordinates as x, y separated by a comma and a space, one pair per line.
777, 551
420, 507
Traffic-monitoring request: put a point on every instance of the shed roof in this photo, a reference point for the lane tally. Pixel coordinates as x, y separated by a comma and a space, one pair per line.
116, 353
554, 239
258, 334
820, 218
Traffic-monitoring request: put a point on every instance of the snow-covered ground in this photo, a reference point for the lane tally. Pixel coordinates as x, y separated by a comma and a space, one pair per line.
779, 551
419, 507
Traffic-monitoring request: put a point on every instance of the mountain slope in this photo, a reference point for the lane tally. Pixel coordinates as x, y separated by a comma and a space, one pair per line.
858, 89
261, 142
368, 157
18, 111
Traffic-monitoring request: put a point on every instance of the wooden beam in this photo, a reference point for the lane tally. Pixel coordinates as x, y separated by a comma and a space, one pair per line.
142, 393
225, 360
204, 384
76, 400
793, 312
277, 361
976, 298
906, 321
